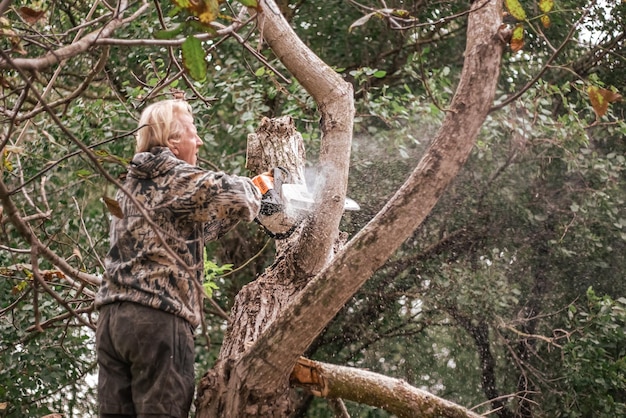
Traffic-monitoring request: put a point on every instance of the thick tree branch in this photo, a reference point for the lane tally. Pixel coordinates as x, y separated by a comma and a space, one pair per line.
297, 327
393, 395
238, 385
4, 5
334, 98
313, 250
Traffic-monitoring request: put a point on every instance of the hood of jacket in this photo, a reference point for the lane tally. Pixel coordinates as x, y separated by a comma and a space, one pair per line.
158, 161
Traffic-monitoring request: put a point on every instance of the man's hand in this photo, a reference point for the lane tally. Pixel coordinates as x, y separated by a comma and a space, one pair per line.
264, 182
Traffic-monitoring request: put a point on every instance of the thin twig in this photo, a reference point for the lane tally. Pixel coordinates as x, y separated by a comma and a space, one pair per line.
248, 261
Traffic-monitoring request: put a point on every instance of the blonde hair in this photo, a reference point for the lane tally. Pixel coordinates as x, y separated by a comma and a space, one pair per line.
160, 125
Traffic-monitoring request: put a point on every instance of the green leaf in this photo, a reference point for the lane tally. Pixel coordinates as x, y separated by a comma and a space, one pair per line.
515, 9
209, 287
182, 3
6, 163
380, 74
193, 58
517, 39
249, 3
20, 287
169, 34
211, 272
400, 13
546, 5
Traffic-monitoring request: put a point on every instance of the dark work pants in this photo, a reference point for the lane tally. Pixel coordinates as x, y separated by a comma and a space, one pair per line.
145, 362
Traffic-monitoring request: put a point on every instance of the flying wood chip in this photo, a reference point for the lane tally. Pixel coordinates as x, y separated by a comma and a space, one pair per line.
601, 98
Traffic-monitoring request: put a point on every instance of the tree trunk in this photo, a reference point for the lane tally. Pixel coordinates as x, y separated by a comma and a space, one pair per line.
276, 143
275, 318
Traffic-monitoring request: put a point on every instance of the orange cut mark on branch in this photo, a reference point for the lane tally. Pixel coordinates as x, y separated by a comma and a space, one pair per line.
307, 373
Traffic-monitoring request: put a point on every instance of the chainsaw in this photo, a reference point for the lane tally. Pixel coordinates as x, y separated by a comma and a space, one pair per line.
285, 204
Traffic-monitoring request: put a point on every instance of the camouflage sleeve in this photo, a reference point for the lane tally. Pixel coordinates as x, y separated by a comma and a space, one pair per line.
217, 229
207, 196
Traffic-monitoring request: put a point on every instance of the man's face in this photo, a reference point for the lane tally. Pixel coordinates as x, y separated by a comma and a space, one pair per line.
189, 142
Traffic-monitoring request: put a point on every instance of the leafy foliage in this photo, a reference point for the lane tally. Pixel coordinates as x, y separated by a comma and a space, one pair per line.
42, 372
535, 219
594, 358
211, 272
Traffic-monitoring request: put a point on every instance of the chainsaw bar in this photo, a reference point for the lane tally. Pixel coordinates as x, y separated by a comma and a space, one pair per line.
297, 197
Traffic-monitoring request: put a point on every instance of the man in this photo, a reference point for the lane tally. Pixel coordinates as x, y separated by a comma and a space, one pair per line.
150, 300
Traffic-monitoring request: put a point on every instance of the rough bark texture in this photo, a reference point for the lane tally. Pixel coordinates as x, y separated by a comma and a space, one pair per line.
255, 382
275, 143
369, 249
335, 102
393, 395
225, 391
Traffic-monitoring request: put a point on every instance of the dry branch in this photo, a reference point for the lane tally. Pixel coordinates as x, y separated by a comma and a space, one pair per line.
393, 395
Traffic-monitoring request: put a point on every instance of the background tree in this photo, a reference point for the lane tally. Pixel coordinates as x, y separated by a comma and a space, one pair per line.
486, 301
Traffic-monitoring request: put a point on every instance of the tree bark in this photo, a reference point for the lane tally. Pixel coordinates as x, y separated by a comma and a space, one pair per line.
253, 380
335, 102
393, 395
276, 143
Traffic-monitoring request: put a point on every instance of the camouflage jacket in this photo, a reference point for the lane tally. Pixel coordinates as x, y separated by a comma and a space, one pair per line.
189, 206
